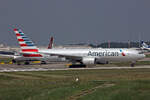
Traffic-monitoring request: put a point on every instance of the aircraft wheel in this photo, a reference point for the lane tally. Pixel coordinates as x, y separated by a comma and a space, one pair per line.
107, 62
132, 64
77, 66
13, 61
18, 63
26, 63
43, 62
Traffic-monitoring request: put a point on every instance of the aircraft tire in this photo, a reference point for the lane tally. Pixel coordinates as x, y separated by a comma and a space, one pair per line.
43, 62
107, 62
18, 63
14, 61
26, 63
77, 66
132, 64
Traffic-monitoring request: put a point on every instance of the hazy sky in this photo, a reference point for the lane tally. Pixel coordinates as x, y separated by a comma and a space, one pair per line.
74, 21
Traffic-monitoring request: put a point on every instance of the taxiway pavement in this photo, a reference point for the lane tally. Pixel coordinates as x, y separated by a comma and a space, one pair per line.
48, 67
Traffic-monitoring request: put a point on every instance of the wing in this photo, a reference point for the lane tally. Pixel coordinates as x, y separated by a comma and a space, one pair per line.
68, 57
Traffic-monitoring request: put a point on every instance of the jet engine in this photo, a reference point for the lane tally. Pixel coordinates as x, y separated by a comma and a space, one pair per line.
88, 60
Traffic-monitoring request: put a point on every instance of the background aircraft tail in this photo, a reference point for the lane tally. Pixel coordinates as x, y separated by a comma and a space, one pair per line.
144, 45
50, 46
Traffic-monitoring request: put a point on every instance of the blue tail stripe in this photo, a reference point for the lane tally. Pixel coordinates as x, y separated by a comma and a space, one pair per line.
30, 45
29, 42
24, 37
26, 40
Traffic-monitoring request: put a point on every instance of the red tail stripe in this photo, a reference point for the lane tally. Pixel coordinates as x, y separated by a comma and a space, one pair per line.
32, 55
20, 40
18, 34
22, 45
29, 50
15, 29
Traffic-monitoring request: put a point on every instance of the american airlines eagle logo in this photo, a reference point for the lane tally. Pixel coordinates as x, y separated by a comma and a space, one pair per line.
123, 54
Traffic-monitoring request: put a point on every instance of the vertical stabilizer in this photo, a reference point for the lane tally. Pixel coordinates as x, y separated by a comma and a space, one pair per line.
27, 46
144, 45
50, 46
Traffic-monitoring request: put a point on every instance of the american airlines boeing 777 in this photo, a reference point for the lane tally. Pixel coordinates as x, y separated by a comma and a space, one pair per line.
82, 56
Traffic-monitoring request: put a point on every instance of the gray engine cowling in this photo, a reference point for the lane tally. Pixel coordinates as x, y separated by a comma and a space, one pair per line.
88, 60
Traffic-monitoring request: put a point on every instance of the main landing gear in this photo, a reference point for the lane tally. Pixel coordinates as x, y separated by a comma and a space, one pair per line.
133, 63
43, 62
27, 63
77, 66
16, 62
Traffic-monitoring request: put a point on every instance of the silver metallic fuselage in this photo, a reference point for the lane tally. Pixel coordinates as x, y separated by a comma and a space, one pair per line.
101, 54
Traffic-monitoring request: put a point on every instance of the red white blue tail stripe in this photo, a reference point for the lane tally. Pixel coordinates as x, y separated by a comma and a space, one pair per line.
27, 46
24, 41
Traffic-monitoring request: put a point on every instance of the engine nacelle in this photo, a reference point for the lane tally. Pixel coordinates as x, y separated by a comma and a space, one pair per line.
88, 60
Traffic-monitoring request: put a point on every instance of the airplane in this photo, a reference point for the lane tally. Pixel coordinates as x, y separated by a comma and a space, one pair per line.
145, 46
85, 57
29, 52
96, 56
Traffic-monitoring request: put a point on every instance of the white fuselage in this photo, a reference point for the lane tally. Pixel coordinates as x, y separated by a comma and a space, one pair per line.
100, 54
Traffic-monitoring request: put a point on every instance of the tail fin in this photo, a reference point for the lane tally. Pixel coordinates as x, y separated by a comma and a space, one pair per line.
50, 46
144, 45
25, 43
